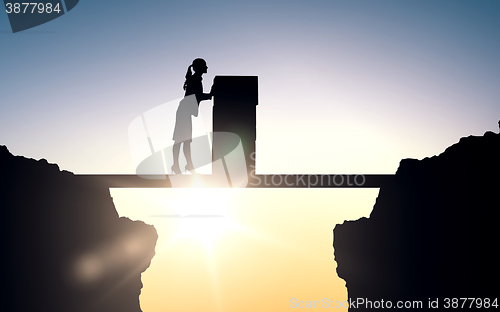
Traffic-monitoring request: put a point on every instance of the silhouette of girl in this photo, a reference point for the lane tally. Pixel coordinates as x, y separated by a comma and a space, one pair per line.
183, 130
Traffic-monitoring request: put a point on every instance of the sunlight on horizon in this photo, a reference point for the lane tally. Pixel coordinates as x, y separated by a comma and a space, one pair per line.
260, 249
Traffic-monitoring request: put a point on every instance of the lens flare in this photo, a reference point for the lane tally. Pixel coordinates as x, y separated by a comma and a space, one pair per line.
203, 214
89, 268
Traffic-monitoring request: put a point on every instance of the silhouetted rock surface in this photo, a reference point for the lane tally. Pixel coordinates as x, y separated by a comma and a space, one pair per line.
64, 248
433, 232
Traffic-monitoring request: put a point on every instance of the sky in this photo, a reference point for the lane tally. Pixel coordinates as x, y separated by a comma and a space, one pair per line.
344, 87
339, 79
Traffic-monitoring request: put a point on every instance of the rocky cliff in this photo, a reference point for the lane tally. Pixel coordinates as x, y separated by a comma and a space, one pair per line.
433, 232
64, 248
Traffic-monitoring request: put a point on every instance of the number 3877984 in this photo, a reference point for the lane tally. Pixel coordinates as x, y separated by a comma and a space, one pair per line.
32, 8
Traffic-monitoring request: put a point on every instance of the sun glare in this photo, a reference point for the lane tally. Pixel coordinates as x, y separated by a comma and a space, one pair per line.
202, 213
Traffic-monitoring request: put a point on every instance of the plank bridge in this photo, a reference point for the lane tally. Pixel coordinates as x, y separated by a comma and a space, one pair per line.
256, 181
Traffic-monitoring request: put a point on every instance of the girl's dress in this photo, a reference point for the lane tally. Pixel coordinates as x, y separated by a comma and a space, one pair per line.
183, 131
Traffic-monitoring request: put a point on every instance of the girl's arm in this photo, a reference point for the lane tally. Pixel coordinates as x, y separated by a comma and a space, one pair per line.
206, 96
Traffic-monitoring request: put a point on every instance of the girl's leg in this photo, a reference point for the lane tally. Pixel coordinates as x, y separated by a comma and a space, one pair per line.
187, 154
176, 150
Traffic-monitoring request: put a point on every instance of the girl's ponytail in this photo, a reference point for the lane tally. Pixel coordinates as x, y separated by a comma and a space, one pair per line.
188, 75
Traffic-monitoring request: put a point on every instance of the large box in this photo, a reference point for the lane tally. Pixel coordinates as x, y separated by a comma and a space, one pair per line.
235, 101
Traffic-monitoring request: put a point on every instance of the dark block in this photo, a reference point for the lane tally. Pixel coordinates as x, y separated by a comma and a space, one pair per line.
235, 91
235, 105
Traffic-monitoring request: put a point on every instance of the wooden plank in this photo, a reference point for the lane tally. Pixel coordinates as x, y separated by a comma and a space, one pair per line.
257, 181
